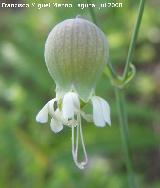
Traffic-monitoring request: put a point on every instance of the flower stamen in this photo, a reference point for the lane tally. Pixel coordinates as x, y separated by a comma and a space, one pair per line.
79, 164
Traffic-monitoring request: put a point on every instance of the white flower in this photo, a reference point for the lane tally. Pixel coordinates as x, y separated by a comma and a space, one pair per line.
76, 52
70, 114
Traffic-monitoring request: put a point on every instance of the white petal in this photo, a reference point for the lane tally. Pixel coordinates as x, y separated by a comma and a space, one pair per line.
76, 100
106, 110
51, 106
98, 117
70, 104
56, 126
42, 116
101, 112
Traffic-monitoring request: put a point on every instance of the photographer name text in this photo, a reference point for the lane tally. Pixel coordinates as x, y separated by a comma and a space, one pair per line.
62, 5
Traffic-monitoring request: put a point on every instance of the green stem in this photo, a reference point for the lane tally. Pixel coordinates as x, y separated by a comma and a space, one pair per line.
134, 38
123, 121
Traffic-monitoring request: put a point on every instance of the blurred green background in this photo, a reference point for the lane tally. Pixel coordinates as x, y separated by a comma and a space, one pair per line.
31, 155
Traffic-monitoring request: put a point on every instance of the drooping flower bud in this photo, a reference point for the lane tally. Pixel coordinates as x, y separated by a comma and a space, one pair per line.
76, 51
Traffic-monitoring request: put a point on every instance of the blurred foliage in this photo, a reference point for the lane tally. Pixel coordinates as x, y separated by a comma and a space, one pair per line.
30, 154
